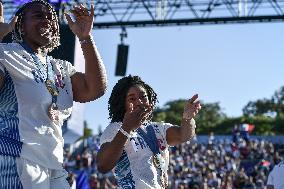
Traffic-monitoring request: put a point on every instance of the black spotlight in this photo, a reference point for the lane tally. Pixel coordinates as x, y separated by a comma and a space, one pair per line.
121, 60
122, 55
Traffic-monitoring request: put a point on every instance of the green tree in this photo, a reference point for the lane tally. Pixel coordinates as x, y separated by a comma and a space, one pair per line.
207, 119
273, 105
264, 125
259, 107
266, 114
278, 101
171, 112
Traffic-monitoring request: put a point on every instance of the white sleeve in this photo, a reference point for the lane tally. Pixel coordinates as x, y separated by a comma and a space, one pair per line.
165, 127
270, 178
110, 132
69, 68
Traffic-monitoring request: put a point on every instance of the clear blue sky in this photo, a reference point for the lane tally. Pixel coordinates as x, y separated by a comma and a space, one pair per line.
230, 64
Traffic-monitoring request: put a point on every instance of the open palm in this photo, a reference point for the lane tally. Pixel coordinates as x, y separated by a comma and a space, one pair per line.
83, 23
5, 28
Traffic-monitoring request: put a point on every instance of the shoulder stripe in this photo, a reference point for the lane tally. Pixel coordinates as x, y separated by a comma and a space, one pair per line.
9, 133
123, 172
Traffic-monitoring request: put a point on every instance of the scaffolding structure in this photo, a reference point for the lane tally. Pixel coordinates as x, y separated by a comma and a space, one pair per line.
151, 13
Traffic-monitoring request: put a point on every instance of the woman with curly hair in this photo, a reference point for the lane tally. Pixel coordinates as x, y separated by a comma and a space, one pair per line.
134, 146
37, 93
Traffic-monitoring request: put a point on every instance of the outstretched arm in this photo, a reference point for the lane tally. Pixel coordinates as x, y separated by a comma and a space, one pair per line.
92, 84
110, 153
177, 135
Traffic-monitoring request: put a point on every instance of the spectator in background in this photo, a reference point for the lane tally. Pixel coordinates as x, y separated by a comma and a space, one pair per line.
72, 180
211, 138
244, 132
236, 133
94, 182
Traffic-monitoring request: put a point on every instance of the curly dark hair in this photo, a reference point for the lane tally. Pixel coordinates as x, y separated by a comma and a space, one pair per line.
17, 33
116, 103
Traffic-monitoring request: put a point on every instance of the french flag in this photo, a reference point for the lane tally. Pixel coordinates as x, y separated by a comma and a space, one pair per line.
248, 127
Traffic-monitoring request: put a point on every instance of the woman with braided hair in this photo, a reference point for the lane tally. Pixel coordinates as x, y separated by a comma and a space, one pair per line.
134, 146
37, 93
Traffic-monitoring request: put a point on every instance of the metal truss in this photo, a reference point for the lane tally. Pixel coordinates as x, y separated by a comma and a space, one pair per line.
147, 13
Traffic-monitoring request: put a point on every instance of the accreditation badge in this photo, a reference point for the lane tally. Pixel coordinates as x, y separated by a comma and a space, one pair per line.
160, 163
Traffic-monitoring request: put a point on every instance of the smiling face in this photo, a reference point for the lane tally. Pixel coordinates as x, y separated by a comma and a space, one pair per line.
130, 89
38, 25
137, 96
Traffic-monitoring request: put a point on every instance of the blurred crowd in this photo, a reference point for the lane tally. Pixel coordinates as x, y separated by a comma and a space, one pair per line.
237, 163
83, 158
223, 164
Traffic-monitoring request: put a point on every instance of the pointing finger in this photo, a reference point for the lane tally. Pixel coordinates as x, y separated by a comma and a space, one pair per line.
92, 10
193, 98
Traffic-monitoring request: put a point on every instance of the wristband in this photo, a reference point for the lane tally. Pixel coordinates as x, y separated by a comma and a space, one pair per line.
85, 41
191, 122
124, 132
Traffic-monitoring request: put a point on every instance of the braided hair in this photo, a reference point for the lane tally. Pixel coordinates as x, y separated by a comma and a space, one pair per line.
17, 33
116, 103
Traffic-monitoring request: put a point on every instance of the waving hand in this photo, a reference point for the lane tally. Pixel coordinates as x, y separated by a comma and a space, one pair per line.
5, 28
83, 23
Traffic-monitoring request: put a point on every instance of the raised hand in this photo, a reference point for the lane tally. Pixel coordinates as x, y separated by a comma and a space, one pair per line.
5, 28
191, 108
83, 23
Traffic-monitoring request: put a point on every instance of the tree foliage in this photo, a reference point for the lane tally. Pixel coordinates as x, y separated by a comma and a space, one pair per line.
271, 106
266, 114
207, 119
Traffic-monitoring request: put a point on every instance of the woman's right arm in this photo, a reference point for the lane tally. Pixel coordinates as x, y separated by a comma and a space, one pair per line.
110, 153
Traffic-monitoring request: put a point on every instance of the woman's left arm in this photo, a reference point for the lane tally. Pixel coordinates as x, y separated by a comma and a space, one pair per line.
92, 84
177, 135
